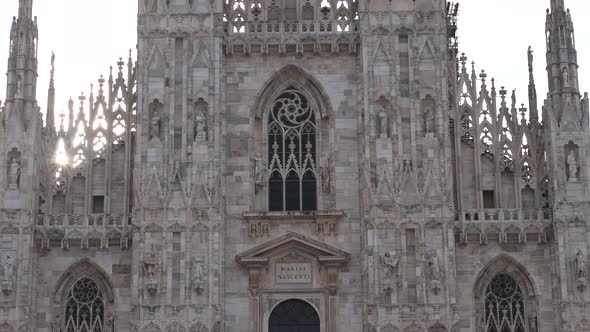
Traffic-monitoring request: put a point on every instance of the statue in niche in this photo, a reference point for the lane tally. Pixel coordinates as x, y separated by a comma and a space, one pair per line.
200, 125
7, 274
429, 121
325, 172
572, 165
565, 77
581, 269
13, 174
383, 123
200, 132
391, 260
198, 273
155, 120
533, 321
436, 275
155, 127
19, 85
149, 266
259, 170
7, 268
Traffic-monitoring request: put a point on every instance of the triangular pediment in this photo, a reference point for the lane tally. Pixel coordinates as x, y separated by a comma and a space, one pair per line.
325, 254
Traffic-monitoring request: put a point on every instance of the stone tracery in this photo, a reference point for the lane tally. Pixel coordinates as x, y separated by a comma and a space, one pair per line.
292, 153
85, 307
504, 305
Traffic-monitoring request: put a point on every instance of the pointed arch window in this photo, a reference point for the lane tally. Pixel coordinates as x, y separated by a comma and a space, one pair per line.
84, 307
504, 305
292, 145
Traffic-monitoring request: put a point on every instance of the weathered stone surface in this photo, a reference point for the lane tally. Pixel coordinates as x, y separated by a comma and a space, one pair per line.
342, 154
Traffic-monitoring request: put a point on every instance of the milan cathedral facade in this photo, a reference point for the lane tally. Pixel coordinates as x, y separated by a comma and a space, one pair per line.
296, 165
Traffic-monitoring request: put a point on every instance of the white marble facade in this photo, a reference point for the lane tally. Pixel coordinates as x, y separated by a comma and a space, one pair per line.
339, 161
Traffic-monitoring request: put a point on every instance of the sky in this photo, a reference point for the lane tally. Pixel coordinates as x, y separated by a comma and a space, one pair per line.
91, 35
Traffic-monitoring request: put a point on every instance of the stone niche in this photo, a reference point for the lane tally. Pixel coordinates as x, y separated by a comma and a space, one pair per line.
293, 267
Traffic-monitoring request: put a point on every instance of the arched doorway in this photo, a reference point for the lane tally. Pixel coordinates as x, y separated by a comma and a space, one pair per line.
294, 316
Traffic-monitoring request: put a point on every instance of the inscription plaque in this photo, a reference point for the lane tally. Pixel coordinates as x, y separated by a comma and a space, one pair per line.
293, 273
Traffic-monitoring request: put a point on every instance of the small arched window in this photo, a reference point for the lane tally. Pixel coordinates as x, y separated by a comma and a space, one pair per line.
292, 153
504, 305
84, 307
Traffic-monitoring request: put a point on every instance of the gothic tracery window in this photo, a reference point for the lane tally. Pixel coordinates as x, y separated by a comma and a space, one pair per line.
504, 305
292, 153
84, 308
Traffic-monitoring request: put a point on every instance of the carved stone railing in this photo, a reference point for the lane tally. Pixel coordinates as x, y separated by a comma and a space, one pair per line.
75, 220
97, 229
504, 215
260, 224
515, 226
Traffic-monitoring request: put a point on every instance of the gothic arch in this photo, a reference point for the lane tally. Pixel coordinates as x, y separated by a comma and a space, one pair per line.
504, 282
295, 313
84, 271
389, 328
199, 327
437, 328
175, 327
295, 85
83, 268
504, 264
294, 76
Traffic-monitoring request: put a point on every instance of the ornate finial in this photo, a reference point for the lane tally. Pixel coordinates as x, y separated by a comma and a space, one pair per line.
530, 59
62, 117
463, 59
52, 72
522, 110
120, 64
503, 92
101, 81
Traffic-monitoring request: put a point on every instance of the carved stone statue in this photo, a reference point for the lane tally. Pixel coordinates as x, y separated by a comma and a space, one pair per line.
259, 170
391, 259
198, 273
149, 265
200, 125
581, 269
436, 275
7, 276
565, 76
383, 123
7, 268
13, 174
572, 166
325, 172
19, 85
429, 121
155, 127
533, 321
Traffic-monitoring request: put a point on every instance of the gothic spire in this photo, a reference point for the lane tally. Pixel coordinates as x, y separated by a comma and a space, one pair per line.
25, 9
562, 66
534, 115
51, 98
22, 66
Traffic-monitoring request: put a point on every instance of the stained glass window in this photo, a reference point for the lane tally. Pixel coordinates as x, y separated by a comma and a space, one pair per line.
84, 311
292, 154
504, 305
